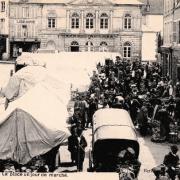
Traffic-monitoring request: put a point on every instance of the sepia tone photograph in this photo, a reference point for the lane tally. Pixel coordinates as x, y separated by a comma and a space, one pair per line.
90, 89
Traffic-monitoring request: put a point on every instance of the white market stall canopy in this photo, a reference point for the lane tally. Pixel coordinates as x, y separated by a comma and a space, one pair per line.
28, 77
71, 67
6, 67
32, 125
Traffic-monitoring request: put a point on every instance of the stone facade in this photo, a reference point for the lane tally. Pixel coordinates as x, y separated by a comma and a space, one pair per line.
152, 27
171, 45
25, 26
79, 25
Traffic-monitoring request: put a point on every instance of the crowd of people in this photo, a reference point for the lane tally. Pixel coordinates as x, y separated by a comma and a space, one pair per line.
139, 88
151, 99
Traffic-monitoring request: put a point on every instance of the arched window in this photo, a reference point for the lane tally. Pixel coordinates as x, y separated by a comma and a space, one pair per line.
89, 21
127, 50
103, 47
89, 46
127, 21
74, 46
104, 21
74, 43
75, 21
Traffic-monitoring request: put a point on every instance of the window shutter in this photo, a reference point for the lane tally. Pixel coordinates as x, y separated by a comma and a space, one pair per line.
177, 32
174, 32
178, 29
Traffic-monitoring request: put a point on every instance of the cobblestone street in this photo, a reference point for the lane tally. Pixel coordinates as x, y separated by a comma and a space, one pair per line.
151, 155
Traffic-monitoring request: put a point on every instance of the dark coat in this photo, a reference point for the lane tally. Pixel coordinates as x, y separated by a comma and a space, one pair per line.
171, 160
77, 147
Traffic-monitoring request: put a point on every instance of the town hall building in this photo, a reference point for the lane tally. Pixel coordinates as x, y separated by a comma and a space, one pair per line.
77, 25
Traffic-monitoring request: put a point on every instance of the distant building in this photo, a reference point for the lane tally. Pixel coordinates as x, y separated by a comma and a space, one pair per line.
152, 28
77, 25
25, 26
4, 28
171, 45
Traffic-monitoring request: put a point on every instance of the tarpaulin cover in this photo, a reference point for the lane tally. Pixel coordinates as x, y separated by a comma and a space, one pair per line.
74, 68
32, 125
28, 77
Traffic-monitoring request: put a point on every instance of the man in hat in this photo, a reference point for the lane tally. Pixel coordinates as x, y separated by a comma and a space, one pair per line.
81, 145
72, 146
93, 106
76, 117
143, 120
118, 102
171, 160
165, 120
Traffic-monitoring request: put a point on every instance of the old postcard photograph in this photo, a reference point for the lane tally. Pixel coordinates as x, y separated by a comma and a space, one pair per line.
90, 89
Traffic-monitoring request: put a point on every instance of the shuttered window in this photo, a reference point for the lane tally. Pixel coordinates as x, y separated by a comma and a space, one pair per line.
174, 32
179, 32
3, 6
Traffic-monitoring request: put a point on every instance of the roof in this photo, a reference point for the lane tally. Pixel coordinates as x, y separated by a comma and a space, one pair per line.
127, 2
111, 117
41, 1
115, 132
82, 2
156, 7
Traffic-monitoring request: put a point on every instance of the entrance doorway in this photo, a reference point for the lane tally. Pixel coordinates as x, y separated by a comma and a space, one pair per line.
2, 45
51, 45
103, 47
74, 46
89, 46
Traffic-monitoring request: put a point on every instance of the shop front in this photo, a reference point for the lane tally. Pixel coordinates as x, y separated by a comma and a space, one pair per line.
2, 45
166, 54
176, 68
17, 47
171, 62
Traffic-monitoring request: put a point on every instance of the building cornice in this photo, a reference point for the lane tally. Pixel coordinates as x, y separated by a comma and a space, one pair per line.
72, 3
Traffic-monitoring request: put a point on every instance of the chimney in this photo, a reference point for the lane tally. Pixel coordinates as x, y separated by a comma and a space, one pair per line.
147, 6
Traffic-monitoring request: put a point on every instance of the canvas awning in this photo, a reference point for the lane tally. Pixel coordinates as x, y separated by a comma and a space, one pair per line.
32, 125
26, 78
